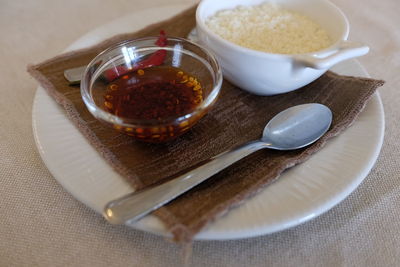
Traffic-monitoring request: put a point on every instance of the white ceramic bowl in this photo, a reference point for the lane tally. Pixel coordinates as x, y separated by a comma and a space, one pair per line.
269, 74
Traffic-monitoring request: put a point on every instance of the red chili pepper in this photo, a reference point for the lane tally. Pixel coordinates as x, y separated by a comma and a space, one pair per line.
155, 59
162, 39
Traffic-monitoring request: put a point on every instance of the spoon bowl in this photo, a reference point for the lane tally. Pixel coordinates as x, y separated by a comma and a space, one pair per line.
297, 127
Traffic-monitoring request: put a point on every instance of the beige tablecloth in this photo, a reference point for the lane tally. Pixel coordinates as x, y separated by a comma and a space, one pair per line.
43, 225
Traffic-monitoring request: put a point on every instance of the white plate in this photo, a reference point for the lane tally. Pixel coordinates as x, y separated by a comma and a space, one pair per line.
301, 193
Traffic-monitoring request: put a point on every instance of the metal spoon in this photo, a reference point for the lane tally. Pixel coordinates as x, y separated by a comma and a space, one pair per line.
293, 128
74, 76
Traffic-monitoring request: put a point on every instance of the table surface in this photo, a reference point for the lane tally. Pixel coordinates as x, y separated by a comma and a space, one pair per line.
42, 225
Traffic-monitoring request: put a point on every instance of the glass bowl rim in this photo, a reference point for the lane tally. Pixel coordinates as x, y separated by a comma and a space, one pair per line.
99, 113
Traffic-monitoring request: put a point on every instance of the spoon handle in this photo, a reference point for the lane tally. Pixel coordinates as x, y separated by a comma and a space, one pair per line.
136, 205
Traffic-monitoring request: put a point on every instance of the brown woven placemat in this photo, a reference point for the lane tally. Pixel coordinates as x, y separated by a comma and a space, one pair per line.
238, 117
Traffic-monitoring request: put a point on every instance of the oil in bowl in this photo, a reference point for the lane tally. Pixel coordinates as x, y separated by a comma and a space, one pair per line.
157, 93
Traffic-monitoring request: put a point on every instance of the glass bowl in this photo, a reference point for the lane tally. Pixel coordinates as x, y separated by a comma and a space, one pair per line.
152, 93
